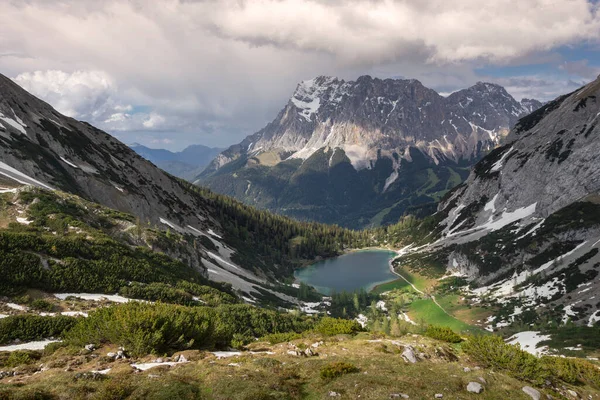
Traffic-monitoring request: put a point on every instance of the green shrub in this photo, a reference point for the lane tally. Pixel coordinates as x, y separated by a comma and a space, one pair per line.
334, 326
157, 291
42, 305
238, 341
572, 370
52, 347
333, 370
33, 327
20, 357
145, 328
443, 333
492, 352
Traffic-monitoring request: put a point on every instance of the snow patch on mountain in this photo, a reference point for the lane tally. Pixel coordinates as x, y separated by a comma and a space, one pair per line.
20, 177
16, 124
529, 341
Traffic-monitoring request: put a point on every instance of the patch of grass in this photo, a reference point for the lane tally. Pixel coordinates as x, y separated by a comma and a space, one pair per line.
426, 310
420, 282
275, 338
386, 287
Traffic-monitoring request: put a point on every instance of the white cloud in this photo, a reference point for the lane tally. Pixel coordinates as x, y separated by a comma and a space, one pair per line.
214, 71
447, 31
80, 94
153, 121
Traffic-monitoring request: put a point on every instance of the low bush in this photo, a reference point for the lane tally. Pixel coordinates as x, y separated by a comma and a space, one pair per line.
572, 370
157, 291
336, 369
33, 327
492, 352
42, 305
19, 357
334, 326
144, 328
442, 333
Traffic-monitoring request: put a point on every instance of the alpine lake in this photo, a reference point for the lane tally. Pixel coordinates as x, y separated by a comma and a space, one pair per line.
349, 272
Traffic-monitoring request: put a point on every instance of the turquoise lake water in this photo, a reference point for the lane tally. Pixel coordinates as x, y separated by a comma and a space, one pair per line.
349, 272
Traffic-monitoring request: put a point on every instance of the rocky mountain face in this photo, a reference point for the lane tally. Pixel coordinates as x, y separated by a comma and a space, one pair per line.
365, 152
525, 226
41, 147
186, 164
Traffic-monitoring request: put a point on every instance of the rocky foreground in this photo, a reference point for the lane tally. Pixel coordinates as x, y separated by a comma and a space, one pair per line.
363, 367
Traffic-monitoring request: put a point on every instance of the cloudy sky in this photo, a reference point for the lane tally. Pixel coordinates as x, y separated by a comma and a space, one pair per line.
169, 73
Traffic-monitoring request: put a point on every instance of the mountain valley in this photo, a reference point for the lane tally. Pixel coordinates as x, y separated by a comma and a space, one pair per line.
112, 267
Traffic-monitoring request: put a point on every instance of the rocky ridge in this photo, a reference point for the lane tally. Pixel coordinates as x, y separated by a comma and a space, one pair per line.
524, 228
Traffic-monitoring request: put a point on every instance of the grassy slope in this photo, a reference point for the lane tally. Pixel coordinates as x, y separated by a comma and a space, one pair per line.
427, 310
382, 372
396, 284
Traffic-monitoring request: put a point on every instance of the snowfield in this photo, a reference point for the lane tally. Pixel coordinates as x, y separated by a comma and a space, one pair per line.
115, 298
20, 177
37, 345
528, 340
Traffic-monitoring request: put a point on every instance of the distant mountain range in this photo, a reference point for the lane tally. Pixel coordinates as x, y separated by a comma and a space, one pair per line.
186, 164
365, 152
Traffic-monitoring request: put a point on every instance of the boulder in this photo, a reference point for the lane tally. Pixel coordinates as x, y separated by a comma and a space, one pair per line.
474, 387
438, 396
90, 347
534, 394
409, 355
181, 359
309, 352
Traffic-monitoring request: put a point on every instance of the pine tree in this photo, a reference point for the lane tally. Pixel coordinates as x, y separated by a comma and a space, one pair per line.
356, 302
385, 325
395, 328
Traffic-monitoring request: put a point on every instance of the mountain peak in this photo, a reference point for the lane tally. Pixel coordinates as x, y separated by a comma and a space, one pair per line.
488, 87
